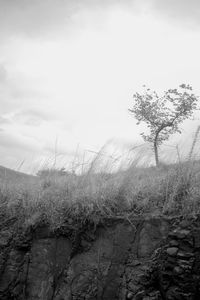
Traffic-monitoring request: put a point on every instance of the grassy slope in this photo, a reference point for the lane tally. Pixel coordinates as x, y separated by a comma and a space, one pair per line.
10, 175
91, 196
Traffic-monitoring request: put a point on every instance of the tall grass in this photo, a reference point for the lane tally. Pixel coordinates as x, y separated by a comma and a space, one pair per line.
96, 192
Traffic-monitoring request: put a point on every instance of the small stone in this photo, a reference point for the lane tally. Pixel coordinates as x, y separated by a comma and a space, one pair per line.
178, 270
70, 221
155, 295
179, 233
133, 287
185, 224
184, 264
185, 255
172, 251
135, 263
129, 295
140, 295
182, 233
173, 243
144, 268
5, 237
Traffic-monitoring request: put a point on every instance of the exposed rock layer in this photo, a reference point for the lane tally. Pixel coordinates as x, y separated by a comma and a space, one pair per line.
153, 258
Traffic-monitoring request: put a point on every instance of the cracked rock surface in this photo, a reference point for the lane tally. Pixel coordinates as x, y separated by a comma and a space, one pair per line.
150, 258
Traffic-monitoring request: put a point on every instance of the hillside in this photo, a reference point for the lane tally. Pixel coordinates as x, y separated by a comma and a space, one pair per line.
9, 174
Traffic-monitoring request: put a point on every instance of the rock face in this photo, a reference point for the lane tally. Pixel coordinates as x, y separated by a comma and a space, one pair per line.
153, 258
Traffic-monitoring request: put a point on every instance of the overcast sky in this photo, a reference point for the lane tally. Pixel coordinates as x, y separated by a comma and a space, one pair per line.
69, 68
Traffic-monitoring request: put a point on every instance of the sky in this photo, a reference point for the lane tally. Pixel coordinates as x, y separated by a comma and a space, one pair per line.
69, 68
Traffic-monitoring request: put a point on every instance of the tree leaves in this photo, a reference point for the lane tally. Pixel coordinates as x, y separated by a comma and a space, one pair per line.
163, 114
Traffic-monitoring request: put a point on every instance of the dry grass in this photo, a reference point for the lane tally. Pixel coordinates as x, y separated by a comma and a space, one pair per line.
57, 197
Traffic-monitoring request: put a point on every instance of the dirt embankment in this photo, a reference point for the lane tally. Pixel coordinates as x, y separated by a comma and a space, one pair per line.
150, 258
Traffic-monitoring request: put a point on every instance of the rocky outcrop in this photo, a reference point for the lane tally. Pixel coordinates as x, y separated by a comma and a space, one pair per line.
177, 264
153, 258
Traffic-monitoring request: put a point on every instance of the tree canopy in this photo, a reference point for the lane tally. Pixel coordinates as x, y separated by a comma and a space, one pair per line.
163, 114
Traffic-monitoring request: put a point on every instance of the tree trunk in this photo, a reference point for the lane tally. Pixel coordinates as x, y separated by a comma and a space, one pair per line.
156, 153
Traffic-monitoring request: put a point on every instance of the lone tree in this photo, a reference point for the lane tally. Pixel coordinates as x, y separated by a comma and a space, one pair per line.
163, 114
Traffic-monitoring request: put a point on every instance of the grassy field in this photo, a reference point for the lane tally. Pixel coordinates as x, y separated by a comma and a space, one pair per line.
58, 197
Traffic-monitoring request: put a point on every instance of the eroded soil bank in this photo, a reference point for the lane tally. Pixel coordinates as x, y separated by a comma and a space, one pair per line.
146, 258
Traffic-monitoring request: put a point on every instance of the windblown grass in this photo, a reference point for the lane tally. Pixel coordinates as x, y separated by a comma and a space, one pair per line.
58, 197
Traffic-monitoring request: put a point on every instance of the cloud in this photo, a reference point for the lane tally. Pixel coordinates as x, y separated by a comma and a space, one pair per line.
4, 120
31, 17
40, 17
15, 141
184, 11
32, 117
49, 17
3, 74
19, 90
15, 148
